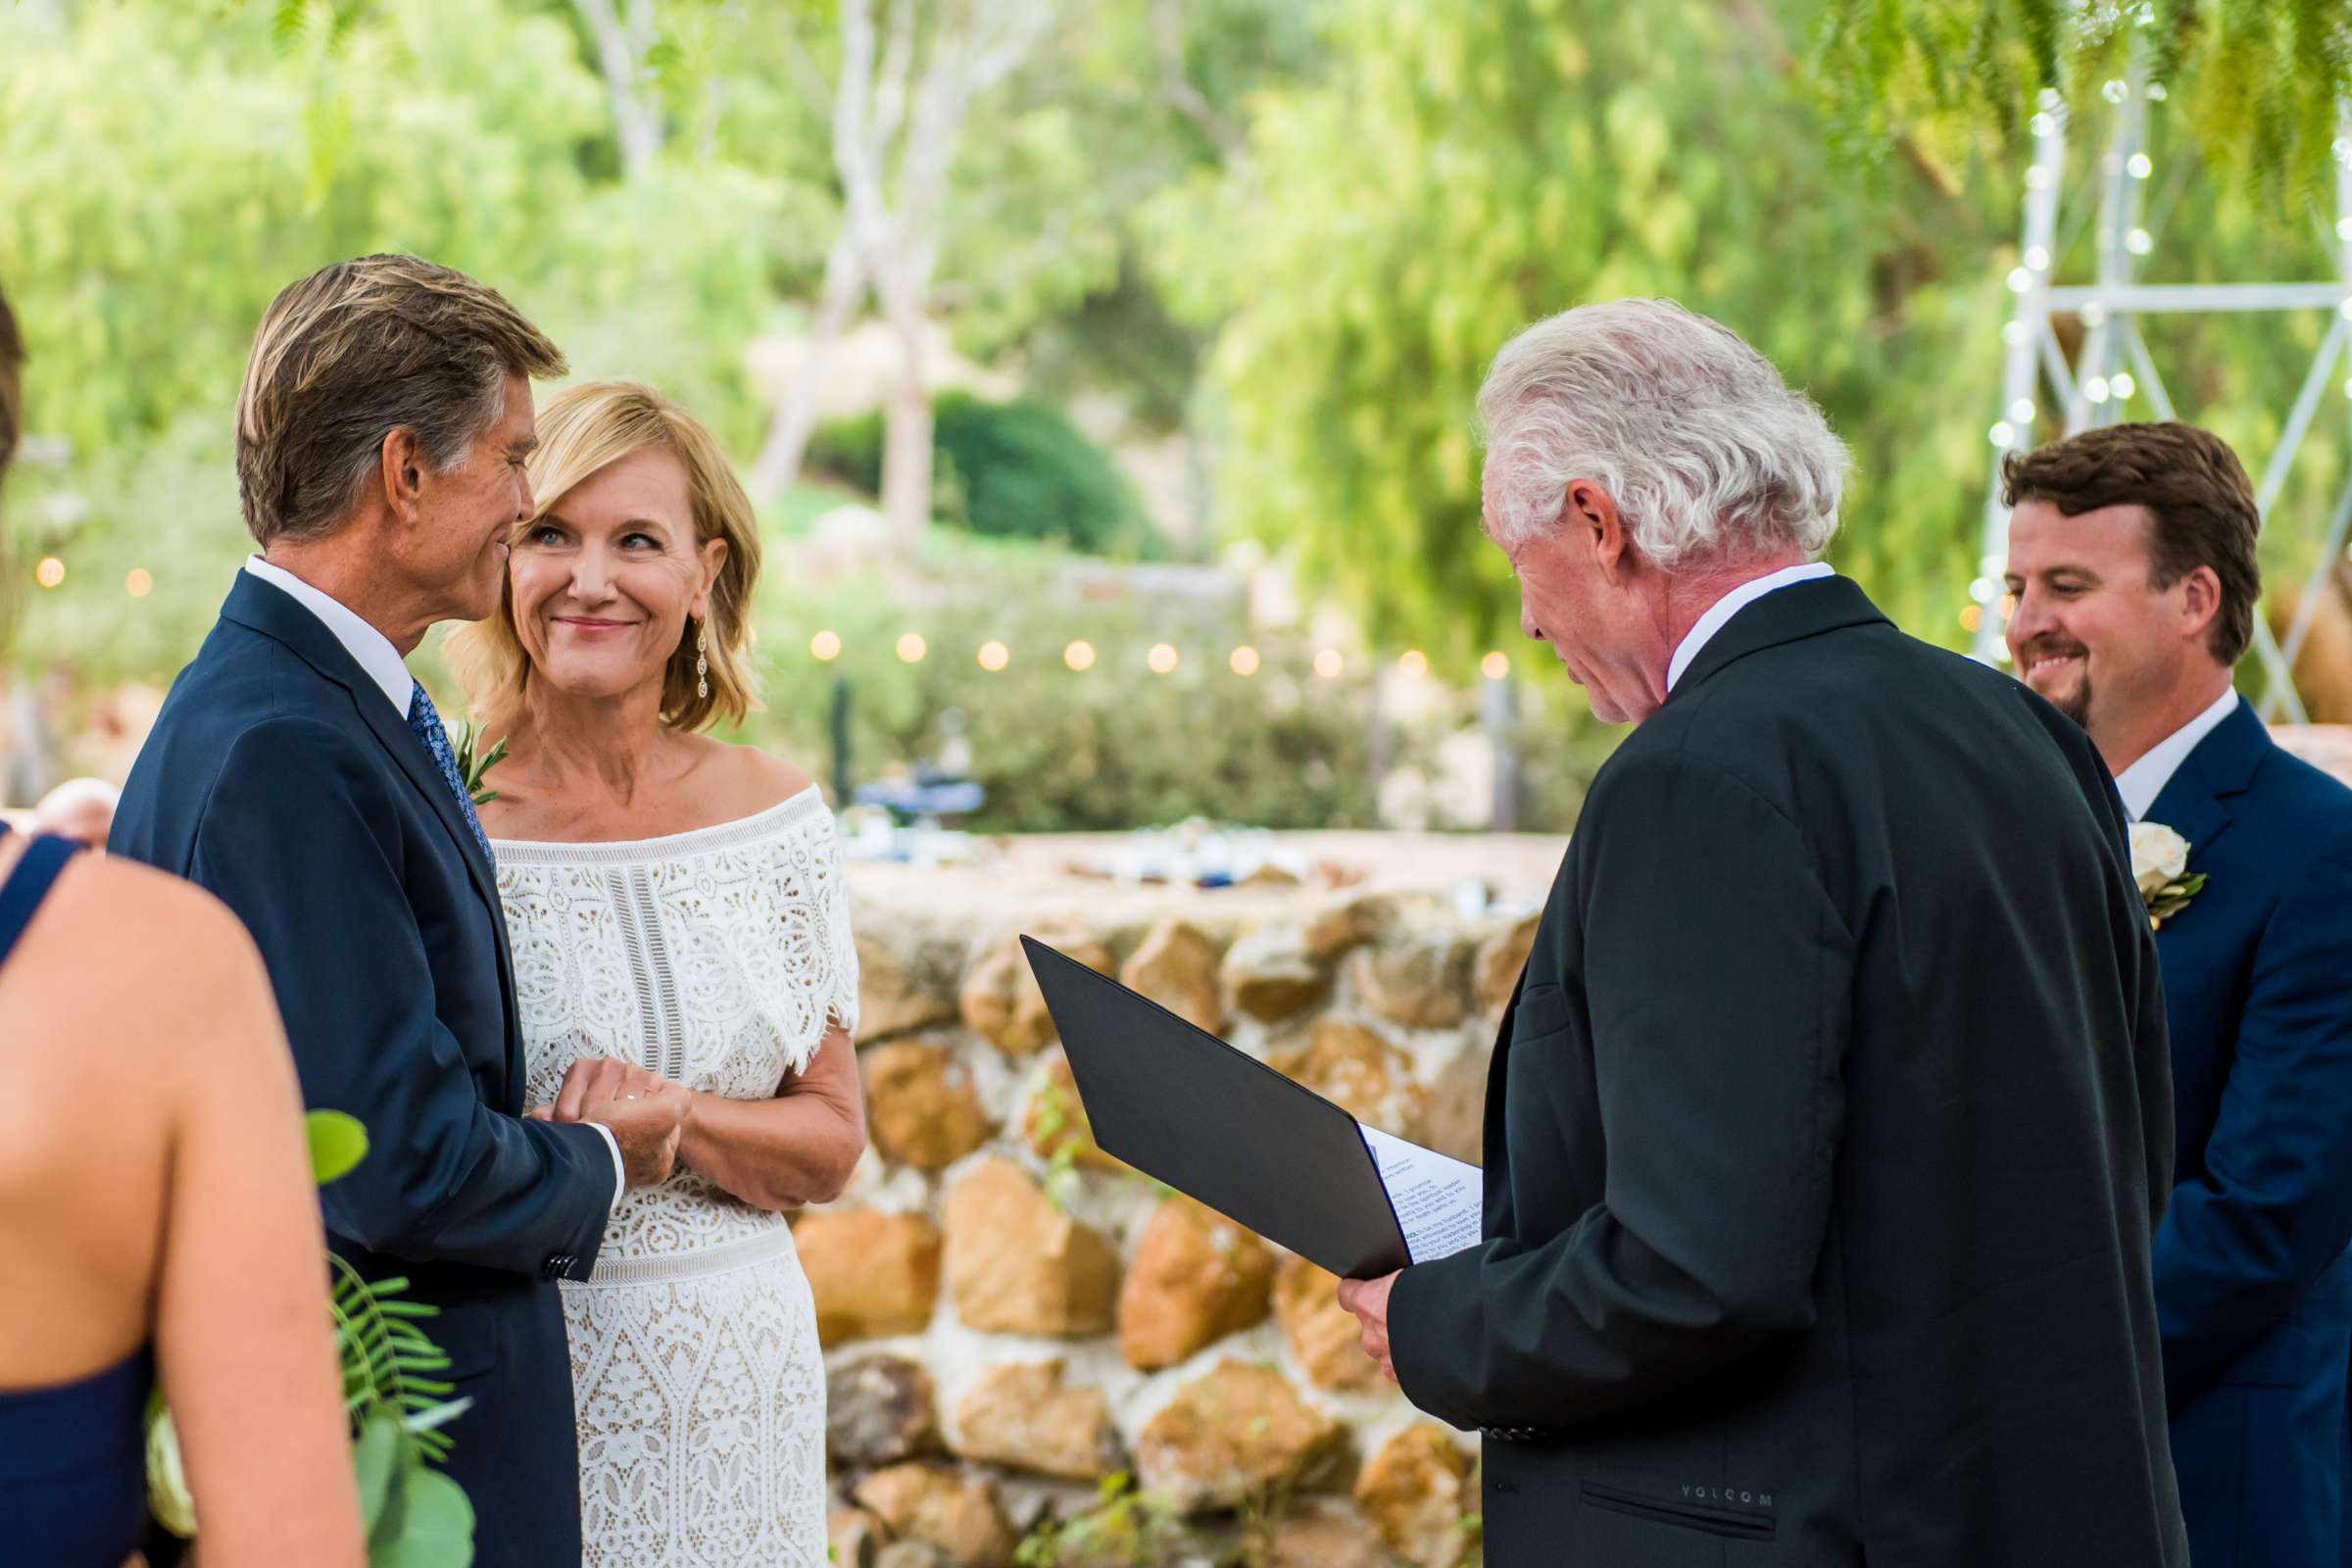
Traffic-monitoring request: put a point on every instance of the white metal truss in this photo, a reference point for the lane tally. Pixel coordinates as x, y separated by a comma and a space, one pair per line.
2113, 363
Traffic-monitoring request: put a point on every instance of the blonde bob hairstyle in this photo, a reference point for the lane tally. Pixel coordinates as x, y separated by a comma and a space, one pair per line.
580, 431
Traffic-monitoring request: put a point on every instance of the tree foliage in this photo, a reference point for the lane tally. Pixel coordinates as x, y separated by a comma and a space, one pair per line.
1463, 171
1458, 172
2260, 82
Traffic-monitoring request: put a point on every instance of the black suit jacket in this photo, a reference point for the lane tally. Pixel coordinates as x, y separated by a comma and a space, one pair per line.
1825, 1140
278, 777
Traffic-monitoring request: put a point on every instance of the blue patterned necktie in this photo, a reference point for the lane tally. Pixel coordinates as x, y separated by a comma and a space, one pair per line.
427, 725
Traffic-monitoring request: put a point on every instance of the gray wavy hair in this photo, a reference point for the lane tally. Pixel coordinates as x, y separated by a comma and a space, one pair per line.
1709, 454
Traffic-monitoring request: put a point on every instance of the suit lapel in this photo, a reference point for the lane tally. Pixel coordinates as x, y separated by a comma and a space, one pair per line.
265, 608
256, 604
2199, 800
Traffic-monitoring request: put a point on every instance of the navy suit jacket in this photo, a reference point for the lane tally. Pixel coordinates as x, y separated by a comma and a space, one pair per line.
278, 777
2253, 1286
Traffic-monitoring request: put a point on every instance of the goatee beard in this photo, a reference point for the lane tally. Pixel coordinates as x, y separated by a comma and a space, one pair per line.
2076, 706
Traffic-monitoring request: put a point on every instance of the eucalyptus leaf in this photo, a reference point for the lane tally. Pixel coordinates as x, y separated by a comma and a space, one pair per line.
375, 1460
167, 1479
437, 1531
338, 1143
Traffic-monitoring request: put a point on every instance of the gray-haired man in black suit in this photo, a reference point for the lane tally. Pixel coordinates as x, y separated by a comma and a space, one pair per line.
1830, 1121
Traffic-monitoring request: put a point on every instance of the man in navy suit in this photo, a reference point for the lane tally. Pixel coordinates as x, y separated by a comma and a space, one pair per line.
302, 775
2131, 556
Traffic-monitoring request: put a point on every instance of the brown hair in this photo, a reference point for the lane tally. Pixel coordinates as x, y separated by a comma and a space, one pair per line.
587, 428
354, 352
2199, 504
12, 392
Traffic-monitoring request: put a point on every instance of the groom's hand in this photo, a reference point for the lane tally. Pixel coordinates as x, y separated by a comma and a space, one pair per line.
1368, 1300
647, 1127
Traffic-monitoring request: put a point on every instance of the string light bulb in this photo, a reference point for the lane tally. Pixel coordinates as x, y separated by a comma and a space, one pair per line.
1080, 654
993, 656
1244, 660
1414, 663
1495, 665
825, 646
50, 573
1161, 660
1329, 664
139, 583
913, 647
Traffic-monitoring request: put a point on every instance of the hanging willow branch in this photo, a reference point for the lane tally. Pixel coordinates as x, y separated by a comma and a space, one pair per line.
2259, 82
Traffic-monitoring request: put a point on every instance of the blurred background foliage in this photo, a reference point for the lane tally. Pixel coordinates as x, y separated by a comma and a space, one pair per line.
1220, 270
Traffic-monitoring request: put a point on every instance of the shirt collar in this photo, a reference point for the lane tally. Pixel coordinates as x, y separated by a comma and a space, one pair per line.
1723, 610
370, 648
2145, 780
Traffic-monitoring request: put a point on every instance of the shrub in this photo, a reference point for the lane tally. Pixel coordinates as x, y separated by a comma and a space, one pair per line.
1019, 469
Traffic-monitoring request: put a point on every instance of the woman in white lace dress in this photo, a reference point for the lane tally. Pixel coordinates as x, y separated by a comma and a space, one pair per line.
676, 911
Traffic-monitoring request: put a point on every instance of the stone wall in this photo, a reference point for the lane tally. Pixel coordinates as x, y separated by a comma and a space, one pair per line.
1012, 1318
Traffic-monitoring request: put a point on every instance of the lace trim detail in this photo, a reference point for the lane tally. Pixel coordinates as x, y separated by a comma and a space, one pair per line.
667, 846
667, 1268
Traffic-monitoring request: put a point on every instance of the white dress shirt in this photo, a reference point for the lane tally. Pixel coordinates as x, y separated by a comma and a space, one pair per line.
373, 652
371, 648
1723, 610
2145, 780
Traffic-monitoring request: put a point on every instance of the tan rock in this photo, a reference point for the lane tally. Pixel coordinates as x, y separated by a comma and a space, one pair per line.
1234, 1434
1176, 966
1419, 983
852, 1538
1197, 1276
874, 1274
999, 999
1324, 1335
1019, 1414
1495, 972
897, 990
1056, 1119
1324, 1535
1018, 1265
879, 1410
1350, 1065
921, 1105
1416, 1493
933, 1504
1349, 921
1451, 1116
1269, 975
913, 1554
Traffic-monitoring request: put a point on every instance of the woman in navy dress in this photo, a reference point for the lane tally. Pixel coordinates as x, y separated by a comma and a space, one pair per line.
157, 1220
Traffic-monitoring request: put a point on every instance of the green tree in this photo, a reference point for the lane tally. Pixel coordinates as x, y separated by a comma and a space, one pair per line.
167, 171
1465, 169
2260, 82
1461, 170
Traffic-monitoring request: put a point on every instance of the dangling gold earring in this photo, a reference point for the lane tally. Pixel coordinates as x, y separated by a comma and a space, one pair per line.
701, 661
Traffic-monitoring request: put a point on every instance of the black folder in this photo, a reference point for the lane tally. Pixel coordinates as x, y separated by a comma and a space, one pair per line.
1180, 1104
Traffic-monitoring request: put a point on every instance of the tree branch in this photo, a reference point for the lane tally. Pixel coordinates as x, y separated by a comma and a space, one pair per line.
1176, 86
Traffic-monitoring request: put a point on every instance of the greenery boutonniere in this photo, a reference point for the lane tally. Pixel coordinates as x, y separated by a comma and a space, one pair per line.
2160, 865
470, 768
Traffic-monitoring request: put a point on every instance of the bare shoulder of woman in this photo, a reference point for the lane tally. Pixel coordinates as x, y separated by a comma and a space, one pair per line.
242, 1341
754, 780
168, 962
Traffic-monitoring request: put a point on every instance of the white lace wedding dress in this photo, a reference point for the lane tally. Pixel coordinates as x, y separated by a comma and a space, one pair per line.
717, 959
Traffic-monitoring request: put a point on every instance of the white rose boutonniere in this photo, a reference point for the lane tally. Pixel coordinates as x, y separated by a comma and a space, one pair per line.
2160, 865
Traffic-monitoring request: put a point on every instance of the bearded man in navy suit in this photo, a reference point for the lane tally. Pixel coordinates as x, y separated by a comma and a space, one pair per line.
2131, 556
